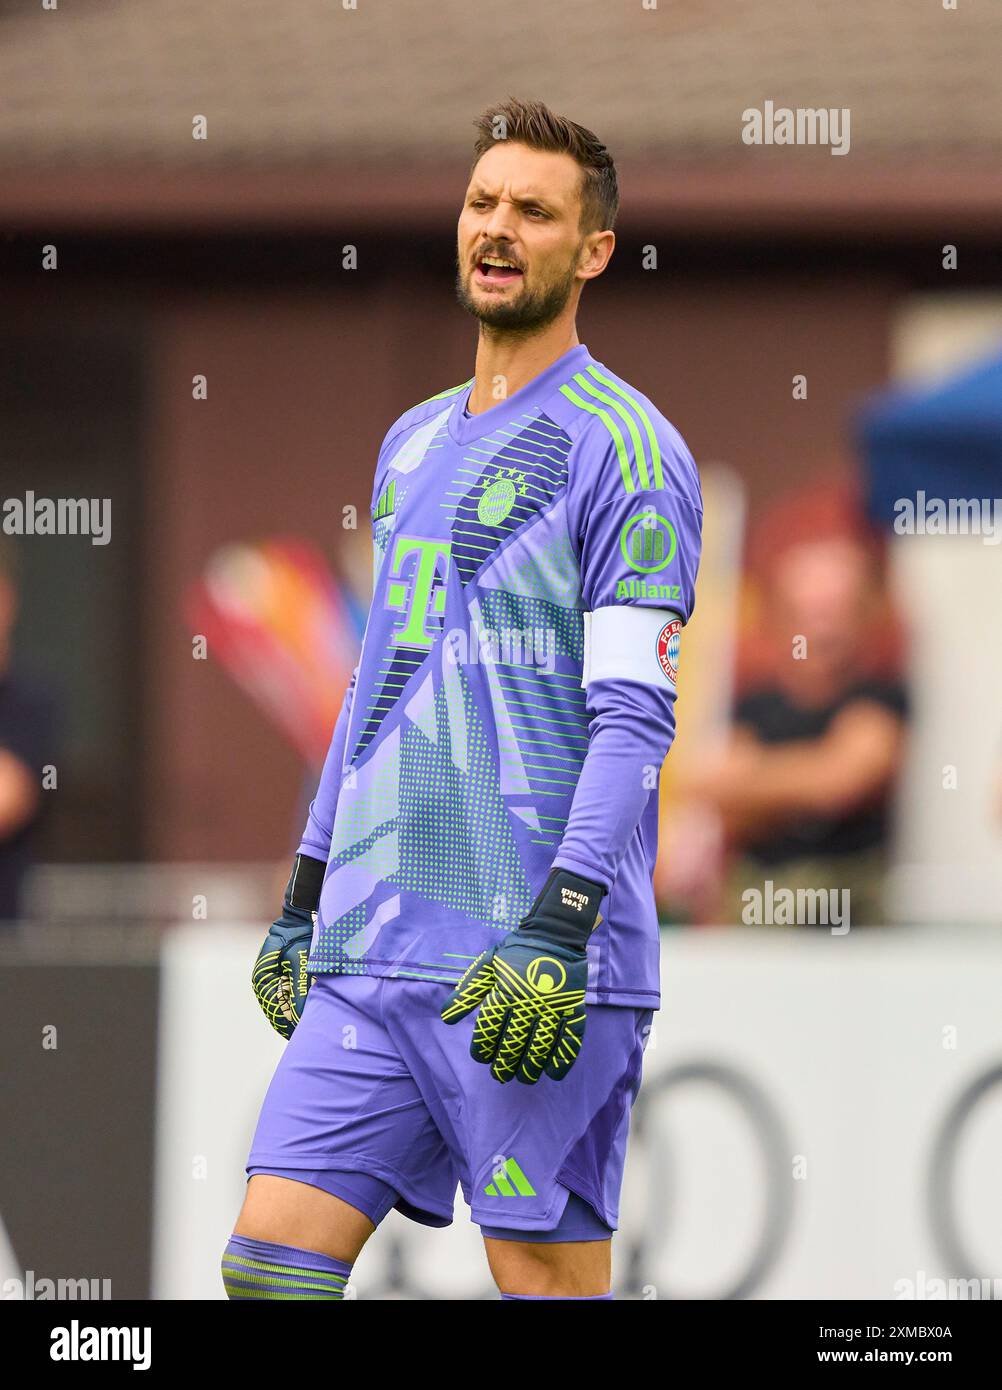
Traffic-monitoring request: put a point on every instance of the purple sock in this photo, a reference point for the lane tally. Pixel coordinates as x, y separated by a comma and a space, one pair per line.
260, 1269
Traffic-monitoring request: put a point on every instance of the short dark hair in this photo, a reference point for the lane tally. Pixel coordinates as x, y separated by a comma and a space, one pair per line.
534, 124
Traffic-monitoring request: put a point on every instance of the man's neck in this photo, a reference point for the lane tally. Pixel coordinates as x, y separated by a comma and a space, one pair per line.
507, 362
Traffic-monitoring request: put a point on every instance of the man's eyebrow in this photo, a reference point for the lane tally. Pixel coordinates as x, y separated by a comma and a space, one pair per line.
542, 200
477, 190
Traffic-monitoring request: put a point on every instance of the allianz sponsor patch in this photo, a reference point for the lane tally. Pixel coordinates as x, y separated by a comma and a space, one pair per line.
648, 541
643, 588
668, 642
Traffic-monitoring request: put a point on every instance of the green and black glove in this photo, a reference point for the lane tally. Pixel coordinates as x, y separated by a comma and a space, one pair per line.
530, 988
280, 977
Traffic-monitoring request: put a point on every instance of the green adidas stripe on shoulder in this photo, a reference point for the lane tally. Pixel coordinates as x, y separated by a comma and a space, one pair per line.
614, 430
645, 420
451, 391
612, 403
615, 402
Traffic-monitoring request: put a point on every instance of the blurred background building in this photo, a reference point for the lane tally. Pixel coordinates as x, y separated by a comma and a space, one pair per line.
227, 266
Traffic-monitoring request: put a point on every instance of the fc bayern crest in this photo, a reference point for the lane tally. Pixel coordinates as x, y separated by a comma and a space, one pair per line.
668, 642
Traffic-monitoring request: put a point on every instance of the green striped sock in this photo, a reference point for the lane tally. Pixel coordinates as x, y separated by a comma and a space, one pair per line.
258, 1269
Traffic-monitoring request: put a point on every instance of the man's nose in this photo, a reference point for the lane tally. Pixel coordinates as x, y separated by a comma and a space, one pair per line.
500, 226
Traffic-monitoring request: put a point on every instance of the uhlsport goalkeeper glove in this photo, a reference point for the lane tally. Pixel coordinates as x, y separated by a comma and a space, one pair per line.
530, 988
280, 977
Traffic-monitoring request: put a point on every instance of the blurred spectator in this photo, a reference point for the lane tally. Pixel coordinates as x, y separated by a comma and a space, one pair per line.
802, 786
26, 725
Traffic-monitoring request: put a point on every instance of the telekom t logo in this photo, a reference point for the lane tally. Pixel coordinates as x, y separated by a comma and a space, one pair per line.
418, 563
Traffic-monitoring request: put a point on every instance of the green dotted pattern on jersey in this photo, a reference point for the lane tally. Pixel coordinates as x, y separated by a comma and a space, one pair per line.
427, 826
333, 944
546, 711
448, 836
456, 845
541, 573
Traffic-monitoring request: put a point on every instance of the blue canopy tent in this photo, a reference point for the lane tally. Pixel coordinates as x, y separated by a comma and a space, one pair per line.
944, 440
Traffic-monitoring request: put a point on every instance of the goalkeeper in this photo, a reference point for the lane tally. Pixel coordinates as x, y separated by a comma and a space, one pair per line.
466, 966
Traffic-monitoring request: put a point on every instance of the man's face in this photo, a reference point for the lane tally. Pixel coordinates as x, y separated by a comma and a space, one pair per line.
523, 207
821, 590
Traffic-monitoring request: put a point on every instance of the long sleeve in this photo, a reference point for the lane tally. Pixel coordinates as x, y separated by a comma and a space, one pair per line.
639, 553
632, 729
316, 841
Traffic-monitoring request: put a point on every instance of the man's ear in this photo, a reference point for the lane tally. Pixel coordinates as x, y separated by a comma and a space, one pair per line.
596, 253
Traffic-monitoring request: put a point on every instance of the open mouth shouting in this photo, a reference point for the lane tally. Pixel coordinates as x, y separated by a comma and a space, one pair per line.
496, 271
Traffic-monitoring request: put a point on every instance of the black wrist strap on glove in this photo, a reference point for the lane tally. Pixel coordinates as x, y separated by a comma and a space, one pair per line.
565, 911
305, 883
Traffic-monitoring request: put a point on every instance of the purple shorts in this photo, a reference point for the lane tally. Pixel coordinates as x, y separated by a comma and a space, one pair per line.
379, 1101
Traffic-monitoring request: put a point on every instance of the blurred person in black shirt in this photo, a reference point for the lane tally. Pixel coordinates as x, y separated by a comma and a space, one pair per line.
26, 723
803, 785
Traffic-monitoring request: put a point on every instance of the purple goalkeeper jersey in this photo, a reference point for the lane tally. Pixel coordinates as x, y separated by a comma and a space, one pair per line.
514, 697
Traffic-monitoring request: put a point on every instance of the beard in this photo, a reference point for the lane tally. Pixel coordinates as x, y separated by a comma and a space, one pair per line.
531, 311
